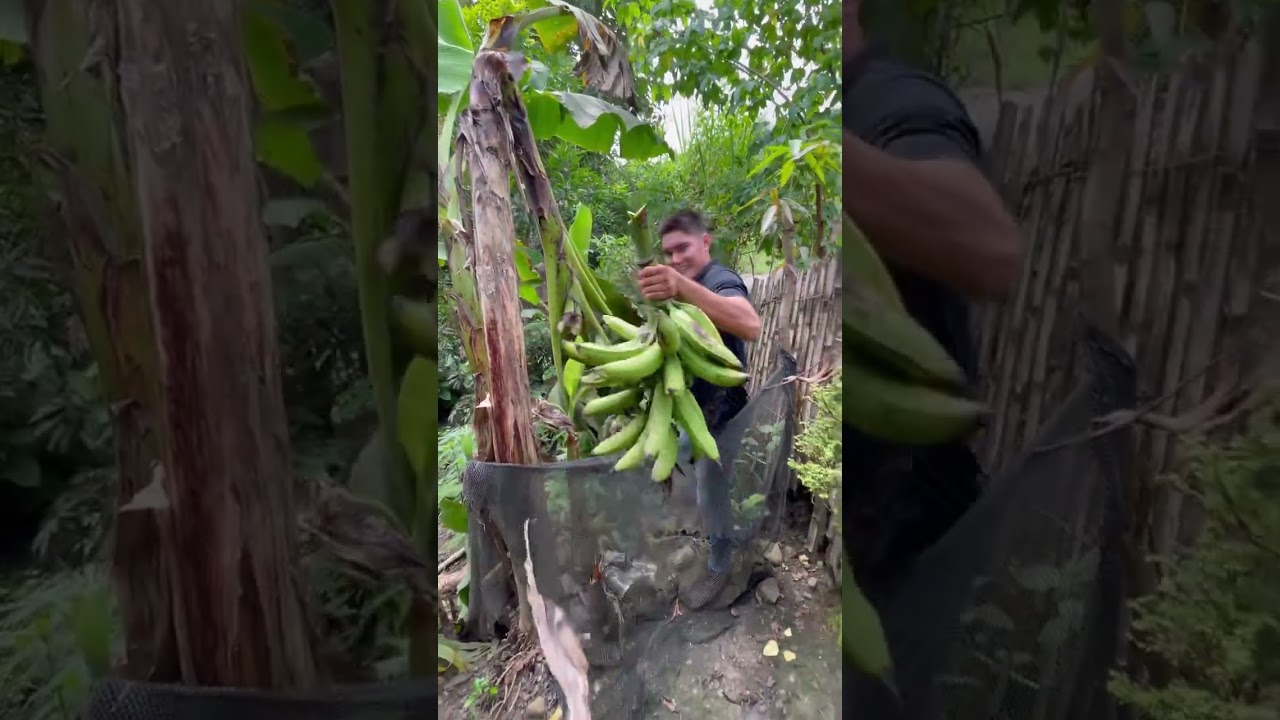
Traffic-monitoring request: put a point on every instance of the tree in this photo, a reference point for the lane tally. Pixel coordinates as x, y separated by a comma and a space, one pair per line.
163, 220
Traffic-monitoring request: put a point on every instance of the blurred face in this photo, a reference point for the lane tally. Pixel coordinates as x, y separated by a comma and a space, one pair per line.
687, 253
853, 40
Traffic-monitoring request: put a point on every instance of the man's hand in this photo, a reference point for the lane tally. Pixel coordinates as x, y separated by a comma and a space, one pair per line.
660, 282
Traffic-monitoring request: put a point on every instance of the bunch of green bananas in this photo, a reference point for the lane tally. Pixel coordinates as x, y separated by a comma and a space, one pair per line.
642, 384
901, 385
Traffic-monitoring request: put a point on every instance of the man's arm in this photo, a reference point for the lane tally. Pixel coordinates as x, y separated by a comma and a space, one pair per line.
731, 311
923, 201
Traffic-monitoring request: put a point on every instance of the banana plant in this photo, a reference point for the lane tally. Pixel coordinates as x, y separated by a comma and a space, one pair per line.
496, 105
581, 119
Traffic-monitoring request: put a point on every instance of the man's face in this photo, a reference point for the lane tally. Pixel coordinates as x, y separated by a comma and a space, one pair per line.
686, 252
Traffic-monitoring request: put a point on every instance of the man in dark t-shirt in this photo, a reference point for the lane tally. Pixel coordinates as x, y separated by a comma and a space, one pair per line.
913, 183
690, 275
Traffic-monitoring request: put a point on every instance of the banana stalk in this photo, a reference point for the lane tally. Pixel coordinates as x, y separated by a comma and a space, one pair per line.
641, 237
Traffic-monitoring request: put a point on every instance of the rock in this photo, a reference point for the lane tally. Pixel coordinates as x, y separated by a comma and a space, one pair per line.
537, 708
774, 554
769, 592
812, 582
683, 558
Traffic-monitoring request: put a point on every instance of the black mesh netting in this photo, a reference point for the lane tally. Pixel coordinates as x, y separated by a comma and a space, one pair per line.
121, 700
1015, 614
615, 550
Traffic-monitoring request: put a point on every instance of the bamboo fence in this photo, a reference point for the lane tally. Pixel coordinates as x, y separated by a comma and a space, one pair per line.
1195, 254
812, 327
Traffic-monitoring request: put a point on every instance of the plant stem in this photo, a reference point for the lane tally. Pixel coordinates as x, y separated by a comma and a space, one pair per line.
641, 237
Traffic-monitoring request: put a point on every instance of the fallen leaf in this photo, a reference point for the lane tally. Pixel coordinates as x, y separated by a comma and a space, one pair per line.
787, 632
556, 714
788, 655
669, 704
771, 648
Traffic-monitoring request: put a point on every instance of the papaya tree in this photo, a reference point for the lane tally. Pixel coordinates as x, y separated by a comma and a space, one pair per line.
499, 108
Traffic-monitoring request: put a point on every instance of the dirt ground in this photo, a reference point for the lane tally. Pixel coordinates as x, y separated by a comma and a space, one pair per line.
772, 655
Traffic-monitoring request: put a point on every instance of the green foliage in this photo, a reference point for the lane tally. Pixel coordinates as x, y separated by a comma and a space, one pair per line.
818, 451
57, 634
751, 57
483, 692
455, 447
1214, 620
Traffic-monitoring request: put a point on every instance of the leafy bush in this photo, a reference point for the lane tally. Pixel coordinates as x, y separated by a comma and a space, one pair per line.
56, 634
1214, 620
818, 455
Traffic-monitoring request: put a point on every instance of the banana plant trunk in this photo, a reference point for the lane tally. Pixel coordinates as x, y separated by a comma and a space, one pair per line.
93, 194
225, 472
169, 266
508, 403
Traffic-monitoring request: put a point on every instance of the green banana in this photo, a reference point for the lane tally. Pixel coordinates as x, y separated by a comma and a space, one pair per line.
632, 458
624, 438
699, 365
690, 417
691, 332
668, 452
620, 327
862, 636
702, 320
593, 354
863, 266
673, 375
668, 334
660, 411
900, 411
613, 403
625, 373
418, 321
873, 329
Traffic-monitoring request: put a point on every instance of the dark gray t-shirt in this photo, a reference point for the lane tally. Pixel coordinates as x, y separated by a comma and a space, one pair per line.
902, 499
898, 501
721, 404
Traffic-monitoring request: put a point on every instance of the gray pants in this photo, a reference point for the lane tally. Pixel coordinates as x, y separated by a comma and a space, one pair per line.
714, 487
